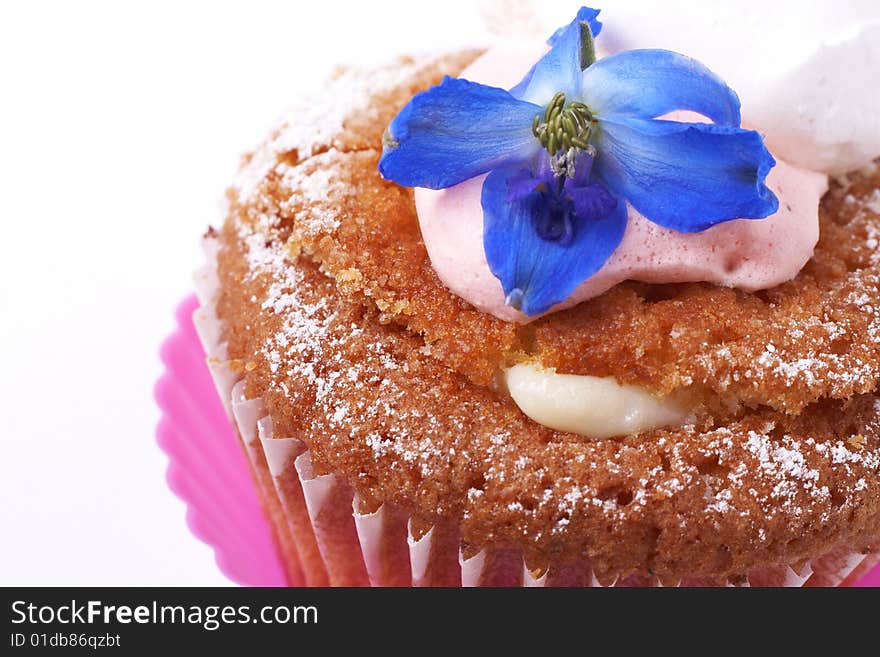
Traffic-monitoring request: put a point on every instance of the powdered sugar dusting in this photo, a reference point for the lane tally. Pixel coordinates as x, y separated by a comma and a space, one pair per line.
313, 190
310, 349
873, 202
758, 478
828, 354
317, 123
351, 382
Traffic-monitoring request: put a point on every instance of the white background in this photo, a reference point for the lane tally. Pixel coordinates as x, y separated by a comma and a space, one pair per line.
121, 123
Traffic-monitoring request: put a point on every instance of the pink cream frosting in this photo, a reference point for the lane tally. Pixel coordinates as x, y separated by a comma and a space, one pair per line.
746, 254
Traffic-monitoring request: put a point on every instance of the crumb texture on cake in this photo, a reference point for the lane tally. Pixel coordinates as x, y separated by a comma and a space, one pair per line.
815, 337
333, 313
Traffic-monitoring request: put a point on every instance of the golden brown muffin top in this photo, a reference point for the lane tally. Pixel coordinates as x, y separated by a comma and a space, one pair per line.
815, 337
337, 318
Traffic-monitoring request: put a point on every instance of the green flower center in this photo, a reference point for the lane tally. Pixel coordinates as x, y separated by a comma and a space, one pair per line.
564, 125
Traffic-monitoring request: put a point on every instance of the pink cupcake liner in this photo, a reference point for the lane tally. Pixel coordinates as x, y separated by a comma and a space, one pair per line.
207, 469
231, 470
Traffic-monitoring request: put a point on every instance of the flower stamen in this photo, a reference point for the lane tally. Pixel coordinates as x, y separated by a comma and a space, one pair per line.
564, 125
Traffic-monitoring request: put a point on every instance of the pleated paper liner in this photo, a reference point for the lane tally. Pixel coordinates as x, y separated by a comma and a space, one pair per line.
273, 522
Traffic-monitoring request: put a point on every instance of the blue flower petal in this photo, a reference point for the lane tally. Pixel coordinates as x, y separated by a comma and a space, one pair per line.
560, 69
520, 88
649, 83
455, 131
685, 176
585, 14
593, 201
537, 273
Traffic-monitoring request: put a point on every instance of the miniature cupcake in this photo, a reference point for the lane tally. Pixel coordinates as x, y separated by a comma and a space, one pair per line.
535, 317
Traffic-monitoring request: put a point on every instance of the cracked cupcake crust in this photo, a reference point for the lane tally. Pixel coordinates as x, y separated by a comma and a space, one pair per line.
333, 311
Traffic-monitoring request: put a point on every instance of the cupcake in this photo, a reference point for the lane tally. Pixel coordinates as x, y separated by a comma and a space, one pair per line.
548, 315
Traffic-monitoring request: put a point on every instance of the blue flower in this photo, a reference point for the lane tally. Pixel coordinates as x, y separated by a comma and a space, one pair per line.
570, 146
